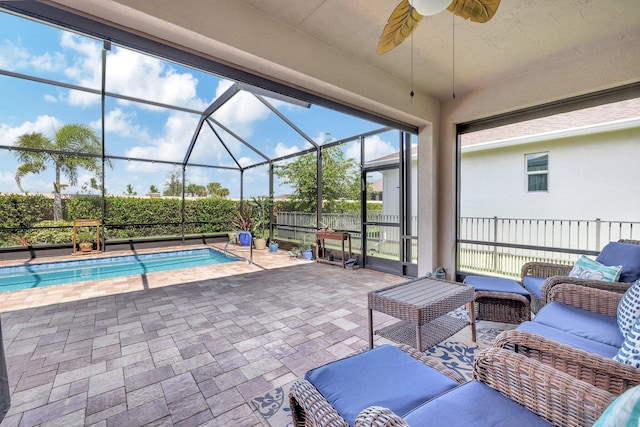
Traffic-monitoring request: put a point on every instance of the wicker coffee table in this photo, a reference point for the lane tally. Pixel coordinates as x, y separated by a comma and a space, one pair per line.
422, 306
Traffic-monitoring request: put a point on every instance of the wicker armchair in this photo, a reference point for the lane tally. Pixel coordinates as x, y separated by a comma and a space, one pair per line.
558, 398
595, 369
558, 274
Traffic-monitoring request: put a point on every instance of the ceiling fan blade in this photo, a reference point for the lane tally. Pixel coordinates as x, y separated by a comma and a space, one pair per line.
400, 25
476, 10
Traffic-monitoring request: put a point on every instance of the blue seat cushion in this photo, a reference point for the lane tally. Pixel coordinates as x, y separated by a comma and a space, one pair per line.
534, 284
496, 284
385, 376
473, 404
604, 350
625, 254
580, 322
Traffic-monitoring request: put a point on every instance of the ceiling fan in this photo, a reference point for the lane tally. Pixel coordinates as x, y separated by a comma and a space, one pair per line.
409, 13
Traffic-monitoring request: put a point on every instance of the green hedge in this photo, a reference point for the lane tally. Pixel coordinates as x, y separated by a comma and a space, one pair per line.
28, 218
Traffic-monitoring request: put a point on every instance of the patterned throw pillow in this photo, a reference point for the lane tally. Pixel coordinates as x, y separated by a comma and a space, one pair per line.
586, 268
629, 308
629, 353
623, 412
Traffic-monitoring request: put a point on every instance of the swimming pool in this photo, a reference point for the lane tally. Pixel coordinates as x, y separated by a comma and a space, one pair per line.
56, 273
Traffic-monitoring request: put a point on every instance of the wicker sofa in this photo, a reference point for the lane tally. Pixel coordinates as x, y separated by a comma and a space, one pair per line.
509, 389
577, 333
537, 276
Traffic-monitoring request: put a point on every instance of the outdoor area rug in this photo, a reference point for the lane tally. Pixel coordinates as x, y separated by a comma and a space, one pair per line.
457, 353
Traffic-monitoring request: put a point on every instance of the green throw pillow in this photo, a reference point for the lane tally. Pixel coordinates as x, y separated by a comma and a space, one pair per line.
586, 268
623, 412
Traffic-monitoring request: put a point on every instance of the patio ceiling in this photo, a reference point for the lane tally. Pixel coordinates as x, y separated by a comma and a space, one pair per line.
523, 36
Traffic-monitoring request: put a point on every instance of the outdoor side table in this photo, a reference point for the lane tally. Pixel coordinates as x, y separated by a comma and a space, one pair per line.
321, 236
422, 306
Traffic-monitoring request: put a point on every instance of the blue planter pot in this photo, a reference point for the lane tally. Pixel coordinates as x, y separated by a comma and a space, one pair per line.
307, 254
273, 247
244, 237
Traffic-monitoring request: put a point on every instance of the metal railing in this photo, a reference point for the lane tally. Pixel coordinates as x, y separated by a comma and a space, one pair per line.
501, 246
382, 241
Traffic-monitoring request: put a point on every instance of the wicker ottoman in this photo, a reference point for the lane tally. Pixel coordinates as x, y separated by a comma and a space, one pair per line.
500, 300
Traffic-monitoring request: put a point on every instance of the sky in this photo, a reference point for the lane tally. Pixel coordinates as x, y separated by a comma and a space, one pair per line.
142, 131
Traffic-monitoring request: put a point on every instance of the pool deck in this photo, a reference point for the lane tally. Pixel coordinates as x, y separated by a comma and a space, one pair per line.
185, 347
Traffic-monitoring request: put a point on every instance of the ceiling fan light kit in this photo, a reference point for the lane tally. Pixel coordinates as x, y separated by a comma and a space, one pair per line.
408, 13
430, 7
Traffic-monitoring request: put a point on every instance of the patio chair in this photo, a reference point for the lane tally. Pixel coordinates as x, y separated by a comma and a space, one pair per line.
593, 363
539, 277
508, 389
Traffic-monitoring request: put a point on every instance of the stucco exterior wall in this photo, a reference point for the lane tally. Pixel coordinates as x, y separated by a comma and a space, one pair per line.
391, 194
590, 177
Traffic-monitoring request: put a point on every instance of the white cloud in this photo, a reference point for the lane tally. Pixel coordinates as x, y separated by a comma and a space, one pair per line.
50, 98
198, 176
86, 69
120, 123
43, 124
8, 182
146, 77
14, 57
240, 112
323, 138
171, 146
128, 73
245, 161
374, 147
283, 150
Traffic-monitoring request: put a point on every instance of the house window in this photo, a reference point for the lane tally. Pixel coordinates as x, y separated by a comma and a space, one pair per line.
537, 172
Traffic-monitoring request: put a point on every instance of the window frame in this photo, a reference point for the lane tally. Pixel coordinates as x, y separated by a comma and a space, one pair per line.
529, 173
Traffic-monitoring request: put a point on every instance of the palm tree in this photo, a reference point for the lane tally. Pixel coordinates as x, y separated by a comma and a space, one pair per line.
41, 153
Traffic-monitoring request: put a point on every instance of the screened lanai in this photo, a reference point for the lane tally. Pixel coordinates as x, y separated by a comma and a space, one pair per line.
176, 129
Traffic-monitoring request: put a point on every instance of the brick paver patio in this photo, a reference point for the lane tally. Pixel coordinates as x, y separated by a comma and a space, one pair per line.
186, 348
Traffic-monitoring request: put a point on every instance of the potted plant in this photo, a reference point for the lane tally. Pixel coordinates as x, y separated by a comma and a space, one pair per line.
294, 252
273, 246
306, 249
85, 241
244, 223
261, 207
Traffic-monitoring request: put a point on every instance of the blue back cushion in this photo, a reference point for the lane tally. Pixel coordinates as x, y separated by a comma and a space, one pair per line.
534, 284
580, 322
385, 376
549, 332
473, 404
496, 284
625, 254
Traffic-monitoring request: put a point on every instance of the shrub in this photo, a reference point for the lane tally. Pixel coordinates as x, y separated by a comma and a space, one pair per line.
48, 232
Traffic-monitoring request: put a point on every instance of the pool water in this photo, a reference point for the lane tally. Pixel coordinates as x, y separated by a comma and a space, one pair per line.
57, 273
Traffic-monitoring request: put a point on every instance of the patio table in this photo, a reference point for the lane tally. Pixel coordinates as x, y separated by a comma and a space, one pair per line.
422, 306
